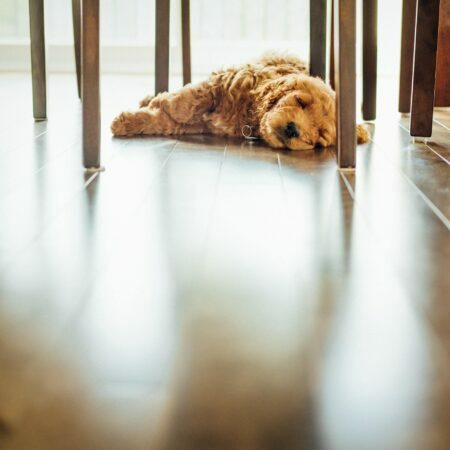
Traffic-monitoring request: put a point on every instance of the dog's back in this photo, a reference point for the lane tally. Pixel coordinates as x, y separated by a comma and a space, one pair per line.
283, 63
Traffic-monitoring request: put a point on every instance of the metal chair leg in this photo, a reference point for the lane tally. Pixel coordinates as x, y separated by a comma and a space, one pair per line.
37, 37
90, 84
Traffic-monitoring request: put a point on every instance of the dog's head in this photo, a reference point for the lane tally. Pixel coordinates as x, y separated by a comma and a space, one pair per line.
297, 112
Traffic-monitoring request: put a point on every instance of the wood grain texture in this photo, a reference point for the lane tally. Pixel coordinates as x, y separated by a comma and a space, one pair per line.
370, 58
442, 97
76, 21
162, 35
432, 160
407, 54
345, 79
186, 40
318, 38
91, 83
442, 117
424, 75
38, 66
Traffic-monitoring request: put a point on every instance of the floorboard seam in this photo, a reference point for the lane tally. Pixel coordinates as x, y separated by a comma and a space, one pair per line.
428, 146
438, 213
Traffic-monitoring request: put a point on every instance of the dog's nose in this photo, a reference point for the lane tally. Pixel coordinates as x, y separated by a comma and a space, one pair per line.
291, 130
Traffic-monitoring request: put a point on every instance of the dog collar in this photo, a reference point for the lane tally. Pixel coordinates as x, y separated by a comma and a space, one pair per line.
247, 132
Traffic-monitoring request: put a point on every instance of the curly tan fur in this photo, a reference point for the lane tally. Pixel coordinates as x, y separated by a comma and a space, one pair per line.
274, 96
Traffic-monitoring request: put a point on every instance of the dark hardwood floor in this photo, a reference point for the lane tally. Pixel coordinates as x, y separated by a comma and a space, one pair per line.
214, 294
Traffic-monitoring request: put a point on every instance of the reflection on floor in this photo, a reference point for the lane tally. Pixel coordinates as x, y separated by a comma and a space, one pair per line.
206, 293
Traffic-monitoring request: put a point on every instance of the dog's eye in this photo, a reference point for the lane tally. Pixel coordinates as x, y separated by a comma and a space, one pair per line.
291, 130
304, 99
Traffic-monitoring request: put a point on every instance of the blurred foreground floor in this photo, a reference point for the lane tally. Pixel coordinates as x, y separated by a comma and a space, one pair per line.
209, 294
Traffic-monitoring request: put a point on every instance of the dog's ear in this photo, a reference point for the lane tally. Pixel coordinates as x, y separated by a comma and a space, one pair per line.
303, 98
275, 90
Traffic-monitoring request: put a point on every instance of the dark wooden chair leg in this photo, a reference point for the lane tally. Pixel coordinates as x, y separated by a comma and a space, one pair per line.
162, 29
424, 75
332, 67
186, 40
370, 48
345, 63
37, 37
407, 54
442, 92
76, 19
317, 38
90, 83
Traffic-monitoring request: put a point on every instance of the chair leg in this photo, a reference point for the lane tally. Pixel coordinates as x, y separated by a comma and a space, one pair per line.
76, 19
90, 83
442, 92
332, 68
370, 22
37, 37
407, 54
162, 28
317, 38
186, 40
424, 68
345, 78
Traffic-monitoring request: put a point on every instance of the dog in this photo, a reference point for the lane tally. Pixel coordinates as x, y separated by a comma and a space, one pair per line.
273, 98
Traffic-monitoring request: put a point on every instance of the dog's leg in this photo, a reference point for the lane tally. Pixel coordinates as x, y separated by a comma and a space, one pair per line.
151, 121
168, 113
186, 106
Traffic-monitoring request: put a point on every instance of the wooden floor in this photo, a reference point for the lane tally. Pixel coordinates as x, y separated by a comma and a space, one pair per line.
211, 294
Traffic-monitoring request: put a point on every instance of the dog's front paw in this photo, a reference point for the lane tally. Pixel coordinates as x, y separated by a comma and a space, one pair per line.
146, 101
121, 125
327, 137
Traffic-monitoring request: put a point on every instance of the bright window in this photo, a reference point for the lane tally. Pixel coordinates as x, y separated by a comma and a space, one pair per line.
223, 32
